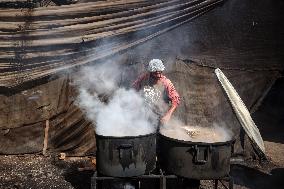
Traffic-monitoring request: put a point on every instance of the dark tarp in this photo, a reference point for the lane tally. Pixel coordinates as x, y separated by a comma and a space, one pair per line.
25, 139
44, 41
203, 103
243, 38
24, 116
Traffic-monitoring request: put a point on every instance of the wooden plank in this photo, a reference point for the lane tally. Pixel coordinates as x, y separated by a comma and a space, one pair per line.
45, 141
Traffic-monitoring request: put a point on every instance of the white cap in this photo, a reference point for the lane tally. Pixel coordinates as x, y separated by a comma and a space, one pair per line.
156, 65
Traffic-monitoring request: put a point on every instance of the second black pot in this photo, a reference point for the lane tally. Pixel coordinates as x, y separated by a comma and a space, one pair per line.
194, 160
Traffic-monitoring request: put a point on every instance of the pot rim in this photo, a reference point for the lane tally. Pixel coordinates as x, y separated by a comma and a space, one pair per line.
124, 137
197, 143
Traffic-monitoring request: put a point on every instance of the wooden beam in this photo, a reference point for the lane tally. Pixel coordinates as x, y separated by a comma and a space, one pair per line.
45, 141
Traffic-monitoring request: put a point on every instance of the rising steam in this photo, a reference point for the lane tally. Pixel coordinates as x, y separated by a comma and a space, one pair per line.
124, 113
177, 130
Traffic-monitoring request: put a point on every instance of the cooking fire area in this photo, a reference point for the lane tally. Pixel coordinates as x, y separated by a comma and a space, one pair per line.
37, 171
135, 94
169, 156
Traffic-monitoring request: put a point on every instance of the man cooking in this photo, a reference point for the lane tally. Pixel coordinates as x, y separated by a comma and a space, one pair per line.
158, 90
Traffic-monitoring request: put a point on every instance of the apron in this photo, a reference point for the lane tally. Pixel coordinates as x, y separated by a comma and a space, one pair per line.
156, 99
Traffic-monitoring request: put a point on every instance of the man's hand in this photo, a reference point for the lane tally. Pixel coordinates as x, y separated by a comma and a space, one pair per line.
168, 115
165, 118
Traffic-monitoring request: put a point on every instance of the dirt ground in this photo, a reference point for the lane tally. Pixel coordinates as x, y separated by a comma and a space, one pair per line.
270, 121
39, 172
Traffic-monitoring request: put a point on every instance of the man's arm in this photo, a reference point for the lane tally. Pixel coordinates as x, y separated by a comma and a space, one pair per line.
168, 115
137, 83
175, 100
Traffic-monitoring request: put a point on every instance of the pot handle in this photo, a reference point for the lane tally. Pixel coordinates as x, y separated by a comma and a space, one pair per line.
196, 156
125, 147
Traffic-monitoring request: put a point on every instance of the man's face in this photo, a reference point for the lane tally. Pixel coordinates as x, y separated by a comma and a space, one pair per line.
156, 75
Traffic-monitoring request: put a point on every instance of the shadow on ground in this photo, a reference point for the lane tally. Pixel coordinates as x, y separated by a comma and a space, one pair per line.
255, 179
79, 180
82, 180
270, 116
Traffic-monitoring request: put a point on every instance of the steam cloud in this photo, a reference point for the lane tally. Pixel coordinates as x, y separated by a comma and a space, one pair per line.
176, 129
125, 113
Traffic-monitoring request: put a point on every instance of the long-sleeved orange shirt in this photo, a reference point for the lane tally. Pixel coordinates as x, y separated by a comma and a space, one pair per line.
171, 91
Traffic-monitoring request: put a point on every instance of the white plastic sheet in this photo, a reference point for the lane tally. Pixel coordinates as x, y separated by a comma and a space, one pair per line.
241, 111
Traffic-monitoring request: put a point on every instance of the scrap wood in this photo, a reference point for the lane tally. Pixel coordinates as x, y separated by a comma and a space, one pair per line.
93, 163
45, 142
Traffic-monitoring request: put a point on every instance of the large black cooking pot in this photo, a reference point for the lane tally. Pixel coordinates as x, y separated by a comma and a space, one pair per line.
195, 160
126, 156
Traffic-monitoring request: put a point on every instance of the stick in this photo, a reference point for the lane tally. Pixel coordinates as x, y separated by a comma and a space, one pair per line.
45, 142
